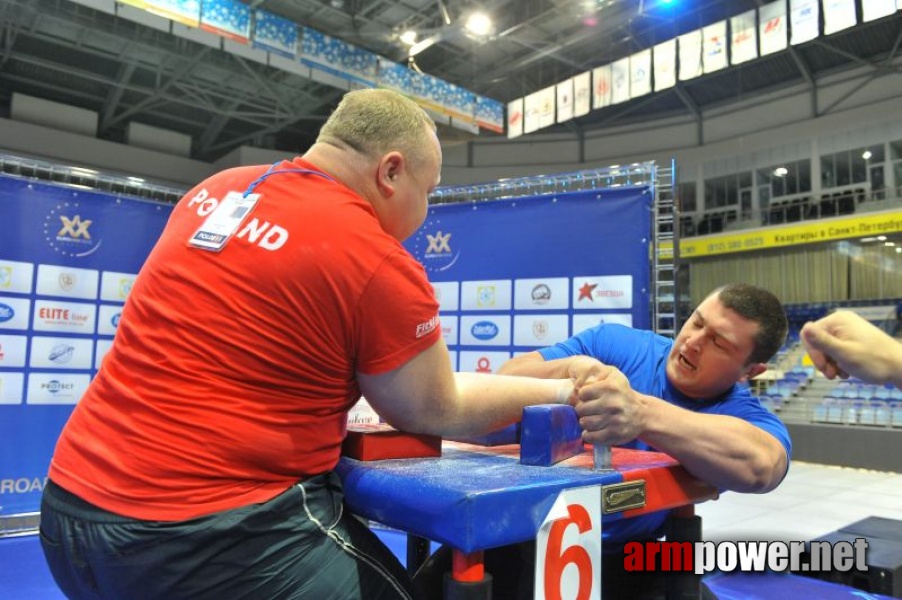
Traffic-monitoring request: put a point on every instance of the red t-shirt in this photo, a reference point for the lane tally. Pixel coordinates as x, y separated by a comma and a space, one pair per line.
232, 372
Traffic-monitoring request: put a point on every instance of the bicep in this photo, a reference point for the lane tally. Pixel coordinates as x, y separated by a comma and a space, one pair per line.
414, 396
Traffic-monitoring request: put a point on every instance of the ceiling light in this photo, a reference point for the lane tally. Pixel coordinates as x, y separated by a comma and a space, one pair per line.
866, 155
781, 172
479, 23
881, 238
890, 244
409, 37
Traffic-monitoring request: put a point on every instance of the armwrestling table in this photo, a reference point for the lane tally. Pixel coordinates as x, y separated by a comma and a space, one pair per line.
474, 498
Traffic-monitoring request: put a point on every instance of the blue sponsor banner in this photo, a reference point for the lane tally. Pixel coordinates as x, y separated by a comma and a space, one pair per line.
228, 18
515, 275
275, 34
68, 258
338, 57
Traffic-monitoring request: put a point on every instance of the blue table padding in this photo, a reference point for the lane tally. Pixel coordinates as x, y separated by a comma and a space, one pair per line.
471, 500
781, 586
550, 433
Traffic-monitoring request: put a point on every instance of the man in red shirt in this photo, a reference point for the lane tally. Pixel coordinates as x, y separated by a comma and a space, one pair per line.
199, 463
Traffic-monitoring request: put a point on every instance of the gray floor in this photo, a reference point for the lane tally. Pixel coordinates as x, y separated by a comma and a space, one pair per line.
812, 501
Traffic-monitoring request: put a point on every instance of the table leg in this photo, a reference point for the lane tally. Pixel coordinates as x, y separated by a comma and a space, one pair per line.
684, 525
468, 579
417, 553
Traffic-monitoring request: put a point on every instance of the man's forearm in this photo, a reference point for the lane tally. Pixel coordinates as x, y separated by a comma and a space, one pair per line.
724, 451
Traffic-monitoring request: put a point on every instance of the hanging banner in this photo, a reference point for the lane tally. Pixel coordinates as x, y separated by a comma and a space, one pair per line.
601, 87
664, 59
690, 47
640, 73
515, 118
502, 293
743, 38
877, 9
839, 15
564, 100
582, 94
772, 29
68, 258
546, 101
803, 19
620, 80
714, 47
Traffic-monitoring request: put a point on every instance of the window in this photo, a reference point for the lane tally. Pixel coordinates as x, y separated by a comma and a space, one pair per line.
786, 179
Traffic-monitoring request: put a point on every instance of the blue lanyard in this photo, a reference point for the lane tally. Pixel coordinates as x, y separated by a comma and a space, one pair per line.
272, 171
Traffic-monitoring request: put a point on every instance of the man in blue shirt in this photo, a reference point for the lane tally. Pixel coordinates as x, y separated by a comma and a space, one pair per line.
686, 397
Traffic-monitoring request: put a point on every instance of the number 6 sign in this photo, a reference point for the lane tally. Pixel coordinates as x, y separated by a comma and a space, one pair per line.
568, 547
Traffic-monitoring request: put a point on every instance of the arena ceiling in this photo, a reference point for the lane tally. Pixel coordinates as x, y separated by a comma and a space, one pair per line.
125, 71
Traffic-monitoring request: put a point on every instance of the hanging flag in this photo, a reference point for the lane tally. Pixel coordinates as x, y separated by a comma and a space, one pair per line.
620, 80
690, 46
601, 87
714, 46
582, 94
876, 9
743, 38
664, 60
803, 19
640, 73
515, 118
772, 30
839, 15
564, 100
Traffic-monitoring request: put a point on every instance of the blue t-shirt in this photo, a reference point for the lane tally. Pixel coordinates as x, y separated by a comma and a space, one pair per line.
642, 357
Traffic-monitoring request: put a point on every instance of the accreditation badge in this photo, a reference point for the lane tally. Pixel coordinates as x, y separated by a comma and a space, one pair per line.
219, 226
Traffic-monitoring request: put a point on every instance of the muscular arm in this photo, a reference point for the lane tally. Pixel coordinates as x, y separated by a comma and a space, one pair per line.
722, 450
425, 396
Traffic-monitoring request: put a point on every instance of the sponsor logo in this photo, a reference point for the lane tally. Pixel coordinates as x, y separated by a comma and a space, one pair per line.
125, 286
204, 236
67, 281
541, 294
1, 352
590, 292
6, 276
70, 234
428, 326
540, 329
484, 330
439, 243
485, 295
432, 247
585, 292
6, 312
114, 320
61, 354
55, 386
483, 365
